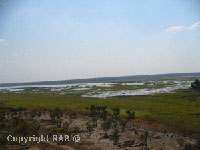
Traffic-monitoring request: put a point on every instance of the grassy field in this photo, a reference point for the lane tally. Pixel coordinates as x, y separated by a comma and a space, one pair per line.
179, 110
119, 87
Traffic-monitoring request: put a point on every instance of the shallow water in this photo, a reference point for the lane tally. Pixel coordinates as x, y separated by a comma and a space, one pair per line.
145, 91
81, 86
170, 85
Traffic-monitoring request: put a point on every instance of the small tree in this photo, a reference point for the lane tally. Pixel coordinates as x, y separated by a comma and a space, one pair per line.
144, 138
53, 116
57, 112
2, 115
188, 146
106, 125
131, 114
89, 127
66, 127
116, 112
58, 123
22, 127
181, 142
116, 136
39, 113
195, 84
115, 125
92, 110
94, 121
76, 130
33, 113
104, 115
123, 124
74, 115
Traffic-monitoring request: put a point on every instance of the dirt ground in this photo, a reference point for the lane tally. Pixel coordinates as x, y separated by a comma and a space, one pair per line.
96, 138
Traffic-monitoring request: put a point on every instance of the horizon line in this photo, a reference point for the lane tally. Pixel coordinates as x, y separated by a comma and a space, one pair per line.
26, 82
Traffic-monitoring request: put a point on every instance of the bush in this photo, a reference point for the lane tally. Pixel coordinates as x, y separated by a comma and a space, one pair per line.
22, 127
195, 84
2, 116
116, 136
181, 142
188, 146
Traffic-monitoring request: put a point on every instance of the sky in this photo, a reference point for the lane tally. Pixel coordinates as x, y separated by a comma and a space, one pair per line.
42, 40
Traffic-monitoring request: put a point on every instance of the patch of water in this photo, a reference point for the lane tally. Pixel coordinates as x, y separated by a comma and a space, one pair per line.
81, 89
80, 86
144, 91
135, 83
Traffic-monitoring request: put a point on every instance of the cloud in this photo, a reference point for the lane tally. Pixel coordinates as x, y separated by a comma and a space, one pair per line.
175, 28
180, 28
2, 41
195, 25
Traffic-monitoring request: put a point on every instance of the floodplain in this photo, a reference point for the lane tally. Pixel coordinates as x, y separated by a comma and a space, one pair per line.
165, 107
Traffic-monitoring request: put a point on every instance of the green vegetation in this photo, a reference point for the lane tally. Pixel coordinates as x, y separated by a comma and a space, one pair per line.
116, 136
179, 110
196, 84
22, 127
2, 115
131, 114
181, 142
144, 138
183, 145
188, 146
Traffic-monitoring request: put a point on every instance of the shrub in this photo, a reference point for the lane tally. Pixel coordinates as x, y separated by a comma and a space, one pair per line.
195, 84
143, 138
131, 114
188, 146
76, 130
89, 127
116, 136
22, 127
123, 124
2, 115
181, 142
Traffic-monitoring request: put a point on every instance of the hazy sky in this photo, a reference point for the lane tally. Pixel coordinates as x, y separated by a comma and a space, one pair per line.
67, 39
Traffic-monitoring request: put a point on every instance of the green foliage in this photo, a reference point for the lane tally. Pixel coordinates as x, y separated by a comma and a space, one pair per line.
188, 146
116, 112
3, 140
33, 113
106, 125
131, 114
65, 128
52, 115
144, 136
94, 121
99, 111
39, 113
196, 84
22, 127
116, 136
2, 113
55, 114
76, 130
58, 123
123, 123
181, 142
89, 127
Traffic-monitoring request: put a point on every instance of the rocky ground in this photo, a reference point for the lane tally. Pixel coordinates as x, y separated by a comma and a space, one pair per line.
95, 132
